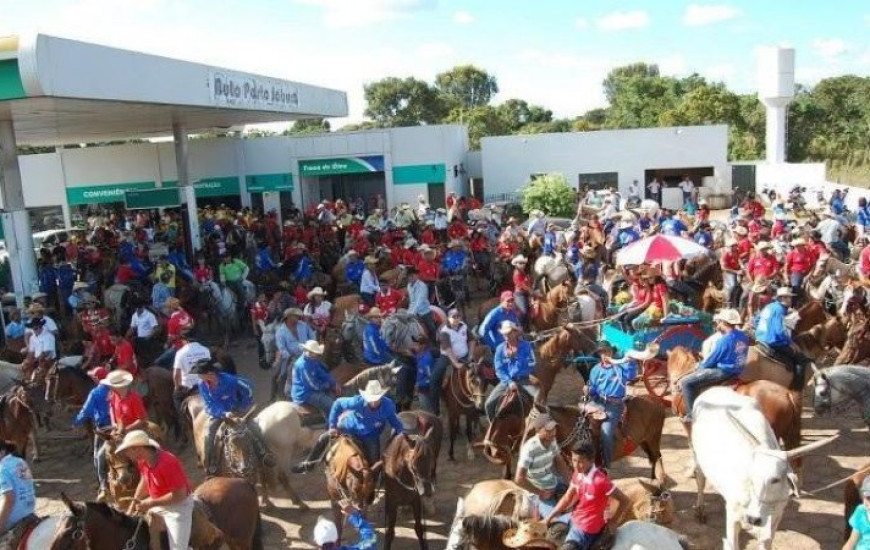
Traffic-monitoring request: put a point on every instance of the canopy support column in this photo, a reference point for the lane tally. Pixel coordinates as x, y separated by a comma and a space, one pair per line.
188, 194
16, 221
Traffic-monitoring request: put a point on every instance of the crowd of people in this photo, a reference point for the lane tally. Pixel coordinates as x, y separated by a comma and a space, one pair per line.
301, 266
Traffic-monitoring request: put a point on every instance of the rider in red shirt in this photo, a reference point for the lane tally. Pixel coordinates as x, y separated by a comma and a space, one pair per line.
457, 229
124, 356
762, 264
388, 299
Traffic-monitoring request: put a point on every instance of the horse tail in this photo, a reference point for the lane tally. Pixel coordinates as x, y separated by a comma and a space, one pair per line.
257, 541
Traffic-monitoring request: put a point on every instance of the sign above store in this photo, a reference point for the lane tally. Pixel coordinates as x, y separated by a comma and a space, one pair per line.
264, 183
336, 166
163, 197
212, 187
240, 90
101, 194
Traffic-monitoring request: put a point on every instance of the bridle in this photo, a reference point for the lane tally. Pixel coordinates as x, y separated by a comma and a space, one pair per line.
461, 390
411, 467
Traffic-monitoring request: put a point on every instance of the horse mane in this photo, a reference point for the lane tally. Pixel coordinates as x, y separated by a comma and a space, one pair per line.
486, 530
551, 348
111, 514
370, 373
78, 373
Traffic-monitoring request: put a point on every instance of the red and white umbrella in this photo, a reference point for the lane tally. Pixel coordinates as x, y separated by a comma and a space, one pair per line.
658, 248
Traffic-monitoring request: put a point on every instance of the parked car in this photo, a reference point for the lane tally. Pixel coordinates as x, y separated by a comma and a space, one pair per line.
52, 237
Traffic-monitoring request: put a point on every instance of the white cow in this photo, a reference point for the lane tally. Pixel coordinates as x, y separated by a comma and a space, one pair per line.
737, 450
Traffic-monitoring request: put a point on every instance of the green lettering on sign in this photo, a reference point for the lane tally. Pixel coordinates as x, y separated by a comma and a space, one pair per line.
213, 187
102, 194
164, 197
265, 183
337, 166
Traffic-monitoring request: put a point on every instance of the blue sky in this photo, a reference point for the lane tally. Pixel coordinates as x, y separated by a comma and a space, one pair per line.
551, 52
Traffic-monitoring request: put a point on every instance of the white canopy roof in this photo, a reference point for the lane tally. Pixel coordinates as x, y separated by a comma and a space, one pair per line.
63, 91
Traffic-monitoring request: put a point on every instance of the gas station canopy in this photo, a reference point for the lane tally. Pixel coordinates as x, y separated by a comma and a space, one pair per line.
59, 91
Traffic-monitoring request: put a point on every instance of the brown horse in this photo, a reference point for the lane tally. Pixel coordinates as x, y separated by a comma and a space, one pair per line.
781, 407
410, 468
857, 345
342, 307
552, 355
464, 396
350, 477
123, 475
227, 503
158, 399
505, 432
17, 420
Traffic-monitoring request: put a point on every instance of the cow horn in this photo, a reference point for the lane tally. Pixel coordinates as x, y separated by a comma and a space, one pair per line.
809, 447
743, 429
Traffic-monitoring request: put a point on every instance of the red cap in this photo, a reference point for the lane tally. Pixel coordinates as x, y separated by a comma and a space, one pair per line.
506, 295
99, 373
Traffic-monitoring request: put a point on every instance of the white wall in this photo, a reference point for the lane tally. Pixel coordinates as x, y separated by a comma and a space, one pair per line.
509, 161
107, 165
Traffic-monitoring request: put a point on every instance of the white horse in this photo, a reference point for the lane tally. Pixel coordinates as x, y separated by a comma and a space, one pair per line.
550, 269
43, 535
267, 338
222, 306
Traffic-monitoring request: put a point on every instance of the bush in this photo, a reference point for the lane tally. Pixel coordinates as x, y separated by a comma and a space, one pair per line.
551, 194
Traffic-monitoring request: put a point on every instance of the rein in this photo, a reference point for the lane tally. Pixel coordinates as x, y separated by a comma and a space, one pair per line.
461, 392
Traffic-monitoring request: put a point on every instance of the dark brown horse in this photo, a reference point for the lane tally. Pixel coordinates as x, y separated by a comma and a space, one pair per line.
229, 504
17, 419
506, 429
464, 396
553, 353
349, 477
410, 470
158, 399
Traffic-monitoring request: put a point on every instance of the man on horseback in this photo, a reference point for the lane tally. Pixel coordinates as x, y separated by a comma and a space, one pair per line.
774, 335
179, 321
418, 301
126, 413
505, 311
376, 351
17, 497
318, 311
514, 361
455, 352
725, 362
607, 388
362, 417
233, 273
312, 383
226, 397
41, 346
288, 343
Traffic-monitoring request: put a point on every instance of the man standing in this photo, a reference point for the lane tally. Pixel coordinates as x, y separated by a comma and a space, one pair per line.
164, 481
541, 468
798, 264
143, 323
725, 362
655, 190
729, 261
772, 332
688, 189
514, 362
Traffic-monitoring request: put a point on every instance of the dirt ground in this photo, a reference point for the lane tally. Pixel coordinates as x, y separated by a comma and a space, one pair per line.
809, 523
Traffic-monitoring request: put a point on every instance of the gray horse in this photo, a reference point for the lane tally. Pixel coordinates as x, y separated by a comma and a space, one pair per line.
841, 388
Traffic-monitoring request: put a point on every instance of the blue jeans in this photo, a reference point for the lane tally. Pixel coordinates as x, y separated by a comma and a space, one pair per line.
321, 401
613, 410
694, 382
732, 289
493, 400
100, 463
583, 539
796, 281
166, 359
405, 380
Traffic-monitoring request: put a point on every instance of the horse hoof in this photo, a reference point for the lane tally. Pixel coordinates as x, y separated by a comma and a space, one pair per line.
470, 455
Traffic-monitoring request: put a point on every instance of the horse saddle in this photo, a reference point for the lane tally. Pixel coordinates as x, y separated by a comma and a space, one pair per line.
203, 532
762, 363
344, 454
308, 415
17, 537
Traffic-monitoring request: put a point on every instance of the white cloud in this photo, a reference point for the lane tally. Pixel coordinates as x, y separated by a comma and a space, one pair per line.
697, 15
463, 18
829, 47
435, 50
361, 13
723, 72
867, 20
581, 23
623, 20
674, 65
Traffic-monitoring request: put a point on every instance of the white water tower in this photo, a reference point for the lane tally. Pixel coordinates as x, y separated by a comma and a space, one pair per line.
776, 90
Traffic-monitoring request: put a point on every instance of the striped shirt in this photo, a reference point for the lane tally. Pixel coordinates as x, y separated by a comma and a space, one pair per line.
539, 462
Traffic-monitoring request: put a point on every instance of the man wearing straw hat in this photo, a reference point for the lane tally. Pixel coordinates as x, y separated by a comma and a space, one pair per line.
514, 361
312, 384
318, 310
362, 417
528, 534
772, 332
227, 397
725, 361
165, 483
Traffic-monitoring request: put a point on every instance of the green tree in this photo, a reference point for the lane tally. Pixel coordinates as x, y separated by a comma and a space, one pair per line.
518, 113
482, 121
466, 87
308, 126
395, 102
549, 193
616, 78
704, 104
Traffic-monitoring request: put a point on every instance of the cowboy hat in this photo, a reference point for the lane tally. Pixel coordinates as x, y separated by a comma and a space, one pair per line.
374, 312
36, 308
642, 352
313, 346
136, 438
205, 366
371, 260
519, 260
763, 245
507, 326
35, 322
117, 379
325, 532
784, 291
730, 316
38, 295
291, 311
78, 285
528, 534
798, 242
316, 291
373, 391
740, 230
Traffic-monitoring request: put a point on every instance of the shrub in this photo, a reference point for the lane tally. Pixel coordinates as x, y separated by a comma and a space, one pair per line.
551, 194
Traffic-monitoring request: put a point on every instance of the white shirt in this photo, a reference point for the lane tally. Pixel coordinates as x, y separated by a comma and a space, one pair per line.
440, 222
687, 186
654, 186
145, 323
830, 230
322, 311
42, 345
185, 358
458, 340
369, 282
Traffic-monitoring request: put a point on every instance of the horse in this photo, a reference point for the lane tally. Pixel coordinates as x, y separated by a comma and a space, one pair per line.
158, 399
229, 504
856, 348
268, 341
342, 307
410, 469
506, 429
840, 388
123, 475
349, 477
464, 395
780, 406
550, 271
17, 418
223, 306
352, 336
552, 355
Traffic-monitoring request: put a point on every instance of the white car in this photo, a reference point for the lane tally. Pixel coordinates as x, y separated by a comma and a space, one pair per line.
52, 237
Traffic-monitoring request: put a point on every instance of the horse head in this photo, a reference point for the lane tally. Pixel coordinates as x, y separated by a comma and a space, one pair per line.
475, 385
362, 480
419, 457
681, 361
238, 448
659, 501
267, 338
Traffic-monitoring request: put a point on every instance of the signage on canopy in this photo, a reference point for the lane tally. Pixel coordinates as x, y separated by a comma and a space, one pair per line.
245, 91
336, 166
164, 197
102, 194
212, 187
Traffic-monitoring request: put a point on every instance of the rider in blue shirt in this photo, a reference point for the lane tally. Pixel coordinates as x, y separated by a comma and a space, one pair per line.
312, 383
627, 234
424, 361
772, 332
375, 348
304, 266
354, 269
96, 410
725, 362
550, 240
264, 262
514, 361
226, 397
455, 260
362, 417
607, 388
674, 227
837, 204
506, 311
17, 481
